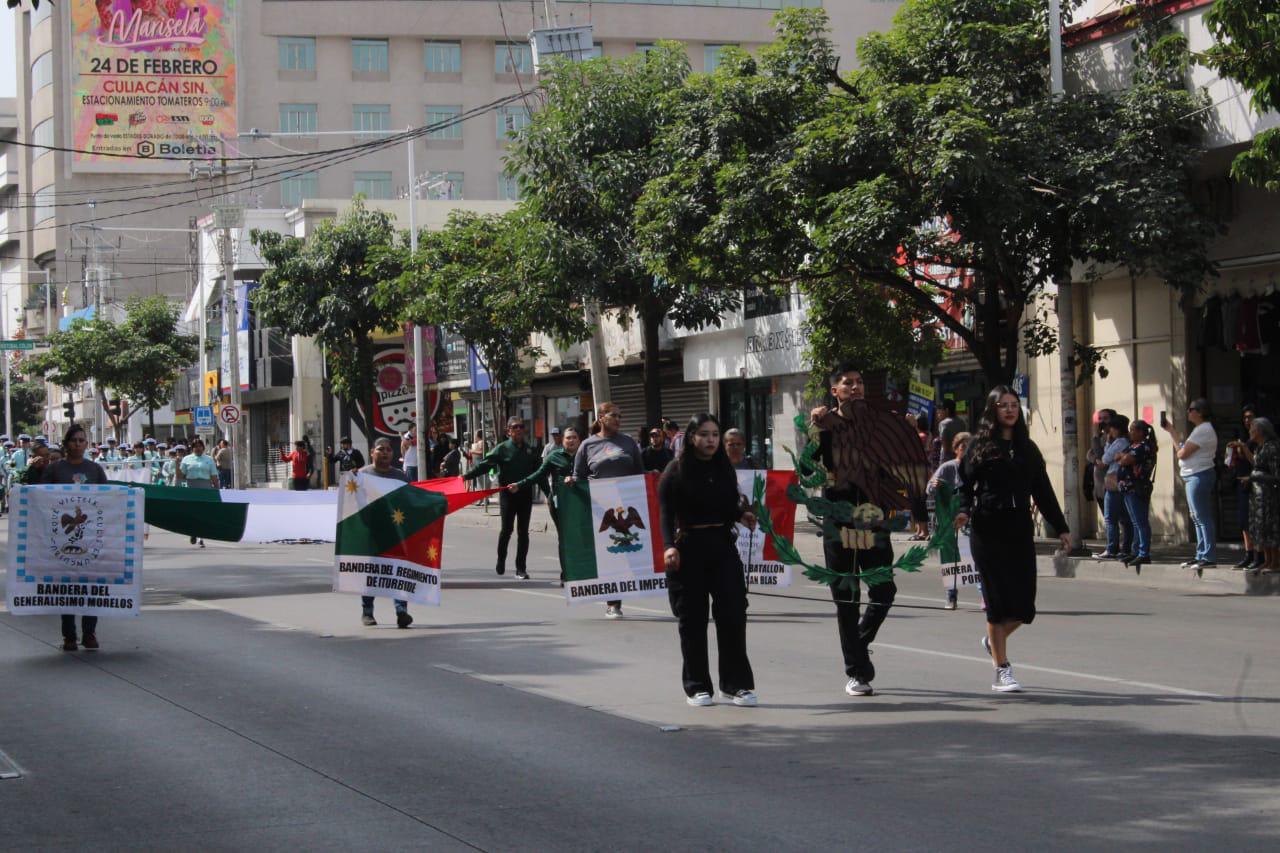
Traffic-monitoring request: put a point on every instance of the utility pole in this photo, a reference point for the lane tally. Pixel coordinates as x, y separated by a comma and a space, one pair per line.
1066, 326
419, 390
226, 217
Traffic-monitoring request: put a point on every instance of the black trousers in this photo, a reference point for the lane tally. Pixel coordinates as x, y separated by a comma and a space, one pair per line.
515, 510
856, 635
710, 566
88, 625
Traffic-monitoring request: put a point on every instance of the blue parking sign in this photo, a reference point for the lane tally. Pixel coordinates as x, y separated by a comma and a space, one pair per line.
203, 416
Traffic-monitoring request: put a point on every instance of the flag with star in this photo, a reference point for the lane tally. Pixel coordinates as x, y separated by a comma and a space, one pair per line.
390, 536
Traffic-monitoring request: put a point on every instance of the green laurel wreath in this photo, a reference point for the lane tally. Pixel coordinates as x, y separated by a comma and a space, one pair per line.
830, 515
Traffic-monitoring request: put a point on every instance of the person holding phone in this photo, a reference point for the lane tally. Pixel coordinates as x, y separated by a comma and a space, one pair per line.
1195, 455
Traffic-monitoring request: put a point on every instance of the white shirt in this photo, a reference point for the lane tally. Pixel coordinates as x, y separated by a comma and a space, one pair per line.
410, 451
1206, 442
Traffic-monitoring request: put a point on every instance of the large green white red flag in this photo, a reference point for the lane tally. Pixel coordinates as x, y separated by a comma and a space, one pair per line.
390, 534
759, 556
610, 541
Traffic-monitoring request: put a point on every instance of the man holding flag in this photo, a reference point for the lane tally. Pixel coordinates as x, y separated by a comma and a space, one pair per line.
382, 455
514, 460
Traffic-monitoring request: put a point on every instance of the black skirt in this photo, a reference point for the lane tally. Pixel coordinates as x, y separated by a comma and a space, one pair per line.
1004, 553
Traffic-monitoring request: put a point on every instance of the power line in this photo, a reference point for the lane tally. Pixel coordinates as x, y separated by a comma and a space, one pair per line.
306, 162
252, 180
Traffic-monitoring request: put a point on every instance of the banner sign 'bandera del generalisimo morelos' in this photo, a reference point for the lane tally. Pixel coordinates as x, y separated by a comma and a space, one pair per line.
155, 79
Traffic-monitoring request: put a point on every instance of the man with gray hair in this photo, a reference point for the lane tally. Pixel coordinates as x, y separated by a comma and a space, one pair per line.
735, 446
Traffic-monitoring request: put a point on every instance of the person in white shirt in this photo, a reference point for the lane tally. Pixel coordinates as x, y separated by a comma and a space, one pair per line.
1196, 454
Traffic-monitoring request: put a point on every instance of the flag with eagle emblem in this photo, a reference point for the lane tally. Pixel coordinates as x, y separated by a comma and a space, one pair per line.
610, 543
390, 534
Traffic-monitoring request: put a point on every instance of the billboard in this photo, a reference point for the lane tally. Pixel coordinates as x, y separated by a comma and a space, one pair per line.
154, 79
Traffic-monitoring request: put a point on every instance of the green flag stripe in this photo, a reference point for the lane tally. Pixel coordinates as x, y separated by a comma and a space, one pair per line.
577, 538
373, 530
171, 508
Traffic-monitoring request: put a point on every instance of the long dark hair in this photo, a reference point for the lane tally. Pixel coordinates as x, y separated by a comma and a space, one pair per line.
1148, 433
719, 459
989, 424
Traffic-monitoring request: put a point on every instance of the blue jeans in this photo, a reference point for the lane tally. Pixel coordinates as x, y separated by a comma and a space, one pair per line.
1119, 527
1139, 507
1200, 499
411, 471
366, 605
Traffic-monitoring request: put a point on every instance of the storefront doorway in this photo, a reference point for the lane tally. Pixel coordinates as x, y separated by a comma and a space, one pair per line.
747, 404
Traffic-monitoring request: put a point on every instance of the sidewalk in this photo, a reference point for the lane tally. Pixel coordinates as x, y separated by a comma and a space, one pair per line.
1165, 573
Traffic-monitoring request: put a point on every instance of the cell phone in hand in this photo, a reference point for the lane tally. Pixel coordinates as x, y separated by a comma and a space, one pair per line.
1164, 419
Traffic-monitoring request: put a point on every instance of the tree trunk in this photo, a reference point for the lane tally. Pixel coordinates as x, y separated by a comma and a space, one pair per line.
151, 422
651, 322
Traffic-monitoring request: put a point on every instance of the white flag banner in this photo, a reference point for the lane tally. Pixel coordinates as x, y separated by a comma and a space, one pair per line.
963, 573
75, 549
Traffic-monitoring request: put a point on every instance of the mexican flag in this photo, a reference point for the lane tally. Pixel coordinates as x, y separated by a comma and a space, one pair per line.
757, 550
610, 543
249, 515
391, 534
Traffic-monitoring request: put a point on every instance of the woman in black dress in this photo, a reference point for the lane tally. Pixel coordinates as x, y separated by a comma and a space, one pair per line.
699, 501
1002, 473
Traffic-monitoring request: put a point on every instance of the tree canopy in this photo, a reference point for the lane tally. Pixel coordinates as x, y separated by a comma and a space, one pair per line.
137, 360
333, 286
583, 163
1248, 51
938, 185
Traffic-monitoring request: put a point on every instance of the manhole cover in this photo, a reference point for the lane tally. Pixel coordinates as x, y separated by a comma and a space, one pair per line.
8, 770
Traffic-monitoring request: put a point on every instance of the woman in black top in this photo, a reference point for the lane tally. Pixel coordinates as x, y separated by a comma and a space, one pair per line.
74, 468
699, 502
1001, 474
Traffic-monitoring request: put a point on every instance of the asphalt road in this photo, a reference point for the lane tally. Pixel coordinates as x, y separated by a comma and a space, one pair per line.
248, 709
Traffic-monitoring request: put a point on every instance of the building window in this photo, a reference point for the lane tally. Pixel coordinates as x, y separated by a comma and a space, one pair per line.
372, 184
449, 121
44, 208
644, 46
41, 72
508, 187
443, 185
512, 57
298, 118
297, 53
442, 57
511, 120
42, 136
713, 55
297, 188
369, 55
371, 118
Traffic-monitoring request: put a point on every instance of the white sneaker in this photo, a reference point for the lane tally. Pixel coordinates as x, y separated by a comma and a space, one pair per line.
745, 699
699, 700
615, 613
858, 687
1005, 682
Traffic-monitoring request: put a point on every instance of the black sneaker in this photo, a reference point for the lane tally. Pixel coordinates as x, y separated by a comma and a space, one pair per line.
1246, 562
1205, 564
368, 621
69, 644
403, 619
500, 569
522, 574
1258, 562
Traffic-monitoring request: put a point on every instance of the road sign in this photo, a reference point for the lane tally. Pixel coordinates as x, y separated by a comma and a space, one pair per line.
18, 344
228, 216
203, 416
229, 414
204, 430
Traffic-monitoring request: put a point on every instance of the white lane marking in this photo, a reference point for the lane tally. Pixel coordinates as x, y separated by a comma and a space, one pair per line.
626, 605
1163, 688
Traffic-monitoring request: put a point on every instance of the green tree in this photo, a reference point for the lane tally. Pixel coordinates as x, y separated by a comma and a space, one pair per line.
582, 165
1247, 33
328, 286
136, 361
27, 400
939, 178
486, 278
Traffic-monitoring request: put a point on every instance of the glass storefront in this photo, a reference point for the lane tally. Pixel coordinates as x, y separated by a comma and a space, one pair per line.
747, 404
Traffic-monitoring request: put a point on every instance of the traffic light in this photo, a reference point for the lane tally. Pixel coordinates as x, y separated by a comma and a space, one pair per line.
69, 409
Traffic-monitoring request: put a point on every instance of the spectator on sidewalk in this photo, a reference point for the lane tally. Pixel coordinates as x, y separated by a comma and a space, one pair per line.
735, 447
1196, 455
381, 467
409, 449
1137, 470
451, 462
1239, 464
346, 458
1264, 519
1119, 527
656, 455
1097, 445
513, 460
556, 442
299, 461
222, 461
